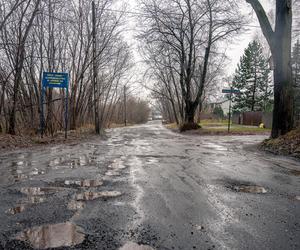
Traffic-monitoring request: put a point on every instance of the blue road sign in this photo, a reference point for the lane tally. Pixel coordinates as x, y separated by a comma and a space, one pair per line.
232, 91
55, 80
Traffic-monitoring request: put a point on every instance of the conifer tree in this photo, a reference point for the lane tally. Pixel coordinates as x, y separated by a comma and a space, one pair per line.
252, 78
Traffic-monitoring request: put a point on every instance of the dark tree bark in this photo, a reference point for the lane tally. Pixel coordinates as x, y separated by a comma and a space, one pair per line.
20, 57
280, 44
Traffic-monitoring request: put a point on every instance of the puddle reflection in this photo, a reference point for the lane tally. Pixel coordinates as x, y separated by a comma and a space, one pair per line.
250, 189
88, 196
33, 191
134, 246
112, 173
76, 205
52, 236
71, 161
84, 183
16, 210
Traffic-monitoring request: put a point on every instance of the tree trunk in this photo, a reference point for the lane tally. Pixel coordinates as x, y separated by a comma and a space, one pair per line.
190, 112
280, 44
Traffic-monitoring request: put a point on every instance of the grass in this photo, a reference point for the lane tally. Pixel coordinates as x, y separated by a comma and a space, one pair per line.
215, 127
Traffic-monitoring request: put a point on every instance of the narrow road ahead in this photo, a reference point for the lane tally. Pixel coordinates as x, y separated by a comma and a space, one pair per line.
146, 187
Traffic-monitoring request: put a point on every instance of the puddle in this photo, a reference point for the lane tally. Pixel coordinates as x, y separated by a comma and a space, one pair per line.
250, 189
35, 199
295, 172
134, 246
75, 205
31, 191
16, 210
37, 172
88, 196
112, 173
117, 164
85, 183
52, 236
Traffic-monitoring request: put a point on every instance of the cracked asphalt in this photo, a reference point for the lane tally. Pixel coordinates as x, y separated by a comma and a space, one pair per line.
145, 187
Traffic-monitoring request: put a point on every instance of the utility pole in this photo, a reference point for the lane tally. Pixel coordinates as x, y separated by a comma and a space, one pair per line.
125, 107
97, 124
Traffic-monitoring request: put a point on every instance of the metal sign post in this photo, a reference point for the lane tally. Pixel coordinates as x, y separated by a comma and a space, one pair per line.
230, 92
55, 80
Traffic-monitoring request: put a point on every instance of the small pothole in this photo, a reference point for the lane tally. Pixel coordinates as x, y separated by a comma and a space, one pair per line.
249, 189
88, 196
16, 210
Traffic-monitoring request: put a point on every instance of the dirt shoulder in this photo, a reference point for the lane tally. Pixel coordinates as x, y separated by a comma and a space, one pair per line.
14, 142
288, 144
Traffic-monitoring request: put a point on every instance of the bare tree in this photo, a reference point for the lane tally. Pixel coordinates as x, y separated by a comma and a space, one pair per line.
186, 32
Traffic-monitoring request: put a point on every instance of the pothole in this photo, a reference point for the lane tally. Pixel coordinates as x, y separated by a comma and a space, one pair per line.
117, 164
134, 246
76, 205
32, 191
52, 236
112, 173
84, 183
250, 189
16, 210
34, 199
295, 172
87, 196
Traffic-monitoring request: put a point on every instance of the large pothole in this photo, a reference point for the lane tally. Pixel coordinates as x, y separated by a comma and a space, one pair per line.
52, 236
134, 246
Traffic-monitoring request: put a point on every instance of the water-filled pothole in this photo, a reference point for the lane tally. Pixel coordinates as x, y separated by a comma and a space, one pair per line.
75, 205
112, 173
88, 196
52, 236
84, 183
34, 199
134, 246
250, 189
33, 191
117, 164
16, 210
295, 172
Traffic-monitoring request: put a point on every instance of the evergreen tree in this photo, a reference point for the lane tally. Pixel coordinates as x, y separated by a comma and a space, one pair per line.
252, 78
296, 78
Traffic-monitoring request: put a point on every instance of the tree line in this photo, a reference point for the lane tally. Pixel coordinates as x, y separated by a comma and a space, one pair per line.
39, 36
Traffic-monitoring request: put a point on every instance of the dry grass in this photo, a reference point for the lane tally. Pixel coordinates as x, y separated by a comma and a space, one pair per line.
214, 127
8, 142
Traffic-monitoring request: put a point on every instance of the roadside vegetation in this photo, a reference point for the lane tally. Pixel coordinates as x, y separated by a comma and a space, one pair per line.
220, 127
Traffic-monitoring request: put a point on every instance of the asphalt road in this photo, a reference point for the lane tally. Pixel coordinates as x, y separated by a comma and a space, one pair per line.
145, 187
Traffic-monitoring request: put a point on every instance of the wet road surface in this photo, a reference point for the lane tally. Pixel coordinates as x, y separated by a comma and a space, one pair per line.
146, 187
